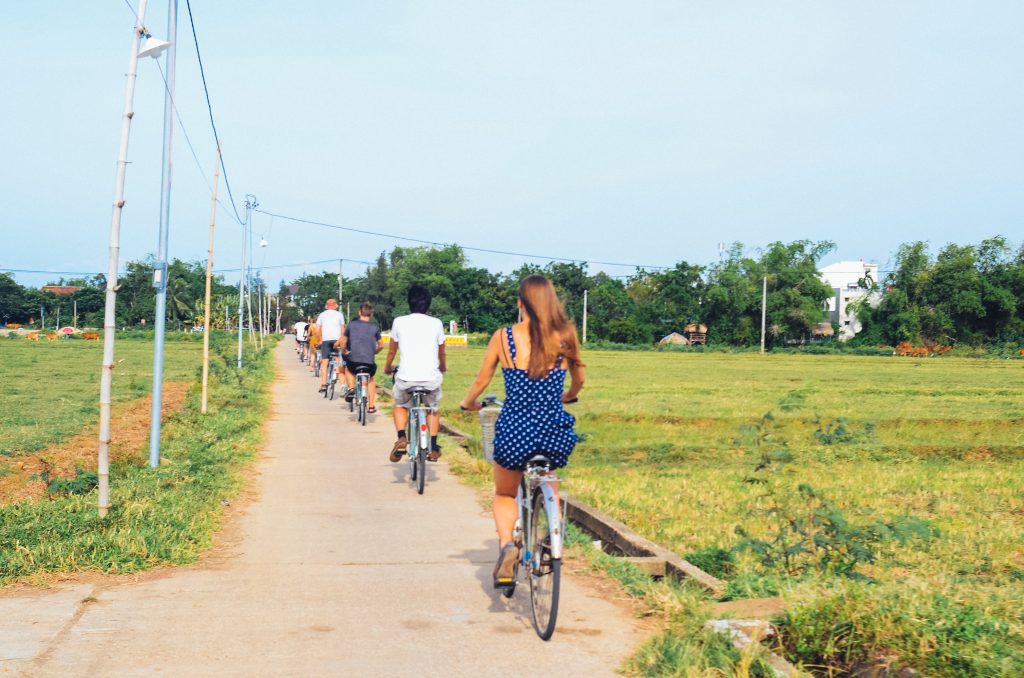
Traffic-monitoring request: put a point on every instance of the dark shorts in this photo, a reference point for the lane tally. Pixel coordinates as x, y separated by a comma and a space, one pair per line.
354, 368
326, 346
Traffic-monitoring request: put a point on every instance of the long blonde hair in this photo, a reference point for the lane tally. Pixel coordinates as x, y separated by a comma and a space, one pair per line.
551, 333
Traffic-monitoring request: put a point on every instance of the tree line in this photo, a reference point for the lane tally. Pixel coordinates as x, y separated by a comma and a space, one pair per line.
971, 294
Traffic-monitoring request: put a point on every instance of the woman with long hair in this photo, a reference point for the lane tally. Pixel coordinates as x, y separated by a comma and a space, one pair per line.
534, 355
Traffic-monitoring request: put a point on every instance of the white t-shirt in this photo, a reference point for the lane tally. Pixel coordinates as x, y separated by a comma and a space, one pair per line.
300, 331
418, 337
330, 324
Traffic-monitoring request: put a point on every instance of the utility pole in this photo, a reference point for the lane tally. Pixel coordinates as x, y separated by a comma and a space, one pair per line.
764, 307
109, 318
584, 316
250, 205
74, 314
341, 285
209, 277
160, 273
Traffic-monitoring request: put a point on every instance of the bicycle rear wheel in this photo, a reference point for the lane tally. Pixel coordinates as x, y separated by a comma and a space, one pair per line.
543, 571
421, 464
362, 410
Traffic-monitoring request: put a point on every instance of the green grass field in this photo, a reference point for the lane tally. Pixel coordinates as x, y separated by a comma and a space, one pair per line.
941, 440
159, 517
51, 389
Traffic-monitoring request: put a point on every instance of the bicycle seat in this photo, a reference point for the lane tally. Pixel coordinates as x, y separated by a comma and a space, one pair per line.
539, 461
362, 370
419, 390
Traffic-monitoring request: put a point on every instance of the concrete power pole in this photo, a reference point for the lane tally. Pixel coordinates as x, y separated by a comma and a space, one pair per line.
584, 316
764, 307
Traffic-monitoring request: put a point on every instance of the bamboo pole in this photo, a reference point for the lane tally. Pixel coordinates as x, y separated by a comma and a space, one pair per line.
209, 277
109, 317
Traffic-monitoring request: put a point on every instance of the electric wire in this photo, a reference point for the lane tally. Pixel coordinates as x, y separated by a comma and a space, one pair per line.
465, 247
209, 107
181, 125
296, 264
36, 270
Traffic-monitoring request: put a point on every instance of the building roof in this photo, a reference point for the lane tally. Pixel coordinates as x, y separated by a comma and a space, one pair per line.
60, 289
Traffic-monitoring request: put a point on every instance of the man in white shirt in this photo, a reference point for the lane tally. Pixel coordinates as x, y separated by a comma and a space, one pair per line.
332, 325
301, 339
420, 339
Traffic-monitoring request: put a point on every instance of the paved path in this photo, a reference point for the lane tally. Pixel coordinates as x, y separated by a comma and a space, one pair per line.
339, 569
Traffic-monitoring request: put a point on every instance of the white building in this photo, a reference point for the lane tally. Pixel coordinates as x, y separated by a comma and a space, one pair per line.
847, 279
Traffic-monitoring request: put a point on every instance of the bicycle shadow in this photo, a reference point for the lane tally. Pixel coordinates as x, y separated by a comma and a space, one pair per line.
518, 607
401, 473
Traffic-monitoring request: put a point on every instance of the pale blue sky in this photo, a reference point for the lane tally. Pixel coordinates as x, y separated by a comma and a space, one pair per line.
641, 132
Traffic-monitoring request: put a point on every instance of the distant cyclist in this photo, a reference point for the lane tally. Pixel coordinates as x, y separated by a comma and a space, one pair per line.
420, 339
534, 356
332, 325
313, 339
360, 345
301, 337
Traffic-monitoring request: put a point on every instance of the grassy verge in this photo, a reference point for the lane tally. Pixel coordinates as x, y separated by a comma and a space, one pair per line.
162, 516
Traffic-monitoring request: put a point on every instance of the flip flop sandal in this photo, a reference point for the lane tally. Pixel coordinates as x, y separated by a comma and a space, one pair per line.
371, 410
505, 568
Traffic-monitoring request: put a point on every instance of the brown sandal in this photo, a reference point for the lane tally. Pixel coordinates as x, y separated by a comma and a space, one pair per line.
434, 455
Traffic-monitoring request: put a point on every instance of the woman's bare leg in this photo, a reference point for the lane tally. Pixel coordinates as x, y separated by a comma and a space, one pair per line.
506, 483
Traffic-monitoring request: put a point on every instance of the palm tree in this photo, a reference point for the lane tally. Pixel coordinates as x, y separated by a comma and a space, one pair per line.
179, 301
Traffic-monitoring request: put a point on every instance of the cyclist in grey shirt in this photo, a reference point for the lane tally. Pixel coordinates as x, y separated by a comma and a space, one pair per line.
360, 345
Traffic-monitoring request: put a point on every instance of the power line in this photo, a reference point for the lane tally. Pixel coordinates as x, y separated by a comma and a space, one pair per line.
181, 124
299, 263
35, 270
465, 247
209, 107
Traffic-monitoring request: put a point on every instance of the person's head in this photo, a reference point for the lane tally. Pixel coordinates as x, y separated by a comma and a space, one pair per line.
419, 299
551, 332
365, 310
331, 305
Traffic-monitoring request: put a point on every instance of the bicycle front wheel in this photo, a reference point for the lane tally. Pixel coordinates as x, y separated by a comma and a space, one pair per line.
544, 571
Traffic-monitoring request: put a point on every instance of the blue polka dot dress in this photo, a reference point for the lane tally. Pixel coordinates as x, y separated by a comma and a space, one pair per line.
532, 419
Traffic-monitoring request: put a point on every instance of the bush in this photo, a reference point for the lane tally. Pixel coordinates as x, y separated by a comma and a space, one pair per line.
903, 624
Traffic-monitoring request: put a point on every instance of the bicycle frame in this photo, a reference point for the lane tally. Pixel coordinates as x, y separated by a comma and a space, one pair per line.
521, 533
362, 385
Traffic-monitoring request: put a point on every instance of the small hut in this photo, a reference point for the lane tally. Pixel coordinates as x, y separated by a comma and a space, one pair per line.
674, 338
696, 333
822, 331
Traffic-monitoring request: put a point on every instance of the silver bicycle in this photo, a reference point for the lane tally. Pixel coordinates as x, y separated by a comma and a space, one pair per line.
539, 528
361, 396
418, 435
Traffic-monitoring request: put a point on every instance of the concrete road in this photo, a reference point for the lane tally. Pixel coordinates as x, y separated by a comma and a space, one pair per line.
337, 568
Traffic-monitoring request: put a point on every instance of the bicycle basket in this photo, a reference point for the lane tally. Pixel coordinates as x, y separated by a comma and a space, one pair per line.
488, 419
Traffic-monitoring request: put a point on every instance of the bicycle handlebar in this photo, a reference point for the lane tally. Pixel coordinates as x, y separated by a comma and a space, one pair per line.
490, 401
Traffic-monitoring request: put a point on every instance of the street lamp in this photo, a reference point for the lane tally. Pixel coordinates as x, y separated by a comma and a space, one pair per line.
109, 316
160, 271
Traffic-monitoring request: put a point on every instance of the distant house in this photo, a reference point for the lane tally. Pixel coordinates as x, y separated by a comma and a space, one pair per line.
850, 281
60, 289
